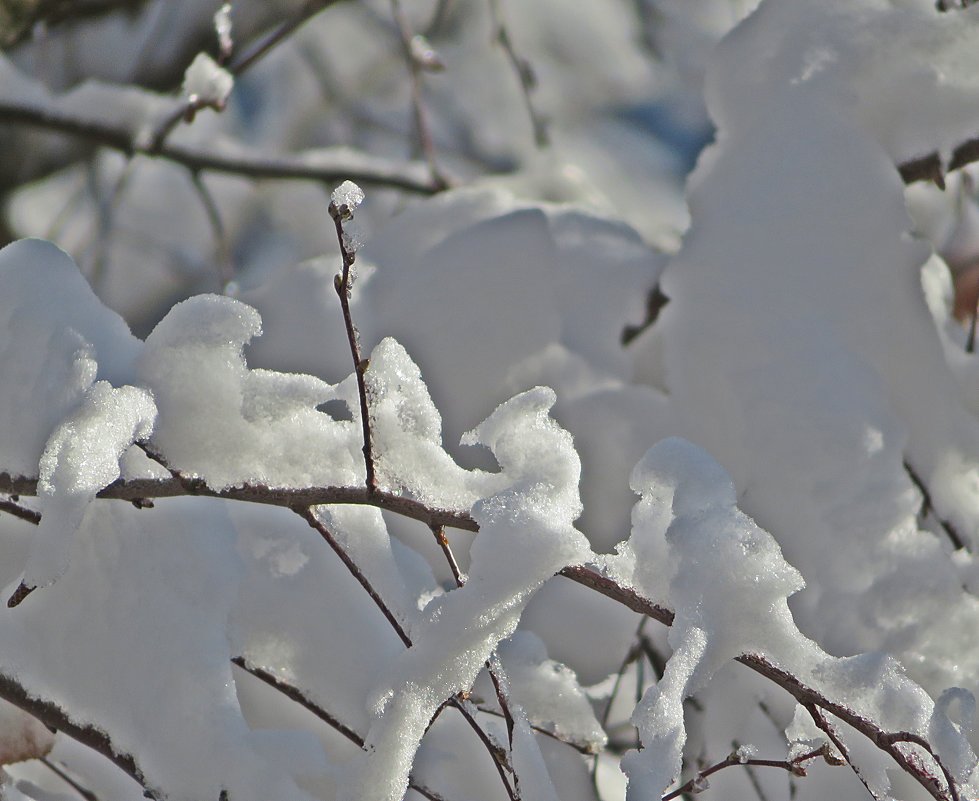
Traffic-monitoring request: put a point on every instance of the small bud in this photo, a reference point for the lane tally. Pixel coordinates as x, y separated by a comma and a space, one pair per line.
699, 785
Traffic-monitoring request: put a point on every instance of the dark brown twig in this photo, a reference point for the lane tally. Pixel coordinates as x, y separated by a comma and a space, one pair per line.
927, 505
324, 166
310, 517
524, 72
154, 488
57, 719
295, 694
15, 509
426, 143
58, 771
342, 285
795, 766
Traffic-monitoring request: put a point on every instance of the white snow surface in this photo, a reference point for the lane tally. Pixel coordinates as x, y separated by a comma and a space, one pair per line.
56, 341
728, 585
797, 346
526, 535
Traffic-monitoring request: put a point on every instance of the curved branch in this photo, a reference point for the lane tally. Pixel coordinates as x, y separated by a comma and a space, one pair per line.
54, 717
327, 165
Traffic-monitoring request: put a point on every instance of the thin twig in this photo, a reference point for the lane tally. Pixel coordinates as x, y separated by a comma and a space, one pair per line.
523, 71
297, 695
630, 656
323, 165
498, 758
585, 748
22, 512
426, 143
226, 270
57, 719
58, 771
187, 110
342, 284
262, 47
926, 505
310, 517
830, 731
794, 766
443, 543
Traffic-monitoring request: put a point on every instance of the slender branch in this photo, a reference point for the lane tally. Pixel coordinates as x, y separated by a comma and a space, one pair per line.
443, 543
297, 695
926, 505
326, 165
524, 72
22, 512
498, 757
834, 736
422, 129
355, 571
226, 270
310, 517
187, 109
54, 717
262, 47
795, 766
58, 771
342, 284
148, 489
581, 747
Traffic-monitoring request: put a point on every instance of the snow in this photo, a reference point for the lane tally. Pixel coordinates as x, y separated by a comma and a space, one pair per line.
526, 535
808, 349
347, 197
206, 83
56, 340
81, 458
231, 425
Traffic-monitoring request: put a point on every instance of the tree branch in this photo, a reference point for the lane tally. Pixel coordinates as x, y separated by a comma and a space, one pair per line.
54, 717
326, 165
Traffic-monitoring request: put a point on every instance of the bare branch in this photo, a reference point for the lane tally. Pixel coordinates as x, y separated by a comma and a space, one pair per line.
22, 512
795, 766
310, 517
524, 72
325, 165
423, 130
297, 695
148, 489
54, 717
343, 284
62, 774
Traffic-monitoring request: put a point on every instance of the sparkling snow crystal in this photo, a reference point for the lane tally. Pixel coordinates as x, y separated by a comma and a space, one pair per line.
206, 83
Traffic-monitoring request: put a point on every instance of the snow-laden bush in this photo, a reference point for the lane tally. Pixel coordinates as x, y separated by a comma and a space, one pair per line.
510, 499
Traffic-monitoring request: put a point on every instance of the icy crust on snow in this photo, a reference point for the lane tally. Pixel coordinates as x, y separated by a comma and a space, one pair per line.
231, 425
728, 585
798, 347
56, 341
526, 535
155, 673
